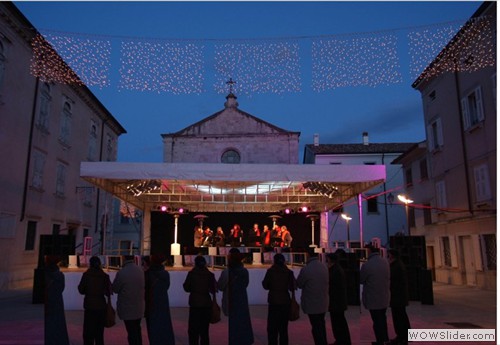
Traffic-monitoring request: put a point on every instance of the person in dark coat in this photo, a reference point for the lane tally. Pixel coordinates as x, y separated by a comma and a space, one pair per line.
200, 283
399, 297
278, 280
95, 286
129, 285
338, 300
56, 332
158, 318
233, 281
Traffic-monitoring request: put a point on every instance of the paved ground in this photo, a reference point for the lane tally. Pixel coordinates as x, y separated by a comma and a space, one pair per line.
21, 323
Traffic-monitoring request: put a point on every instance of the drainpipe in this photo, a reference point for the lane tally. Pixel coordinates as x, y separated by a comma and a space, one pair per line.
28, 156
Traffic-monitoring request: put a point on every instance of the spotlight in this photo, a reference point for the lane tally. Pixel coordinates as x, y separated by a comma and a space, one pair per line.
163, 208
304, 209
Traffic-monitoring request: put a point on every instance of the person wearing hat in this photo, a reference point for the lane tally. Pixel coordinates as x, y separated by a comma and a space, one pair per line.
279, 280
95, 285
233, 283
158, 317
200, 283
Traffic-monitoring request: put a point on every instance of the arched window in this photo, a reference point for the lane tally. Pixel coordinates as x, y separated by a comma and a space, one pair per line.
231, 157
43, 115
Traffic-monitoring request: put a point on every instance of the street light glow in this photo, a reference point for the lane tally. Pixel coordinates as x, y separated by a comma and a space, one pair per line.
346, 217
404, 199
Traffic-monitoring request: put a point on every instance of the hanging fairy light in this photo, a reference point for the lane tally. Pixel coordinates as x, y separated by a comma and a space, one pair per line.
161, 67
261, 67
355, 61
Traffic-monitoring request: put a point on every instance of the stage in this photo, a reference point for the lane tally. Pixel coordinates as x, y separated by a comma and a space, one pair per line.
178, 297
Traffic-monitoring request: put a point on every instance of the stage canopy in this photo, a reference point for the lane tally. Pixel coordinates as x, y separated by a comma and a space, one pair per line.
200, 187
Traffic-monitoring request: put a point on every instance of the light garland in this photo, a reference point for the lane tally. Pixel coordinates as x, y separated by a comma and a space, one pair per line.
264, 66
259, 67
162, 67
357, 61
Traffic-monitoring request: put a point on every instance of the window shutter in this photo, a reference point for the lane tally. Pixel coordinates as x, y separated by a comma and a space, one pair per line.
479, 101
465, 113
430, 138
439, 132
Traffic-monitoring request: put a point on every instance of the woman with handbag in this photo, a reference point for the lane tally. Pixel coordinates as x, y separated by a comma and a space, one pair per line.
200, 283
96, 286
278, 280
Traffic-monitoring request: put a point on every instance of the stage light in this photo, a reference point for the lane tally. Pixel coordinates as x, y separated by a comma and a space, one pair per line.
304, 209
163, 208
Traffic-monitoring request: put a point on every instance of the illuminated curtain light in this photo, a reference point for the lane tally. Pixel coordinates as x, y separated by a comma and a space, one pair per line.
48, 65
268, 67
161, 67
357, 61
470, 50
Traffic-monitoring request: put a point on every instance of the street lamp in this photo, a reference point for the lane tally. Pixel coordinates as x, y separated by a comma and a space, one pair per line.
406, 201
347, 219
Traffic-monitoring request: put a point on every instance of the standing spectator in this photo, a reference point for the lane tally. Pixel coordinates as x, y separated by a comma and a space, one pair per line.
338, 300
233, 281
278, 280
56, 332
158, 319
95, 286
313, 280
399, 298
129, 285
200, 283
374, 275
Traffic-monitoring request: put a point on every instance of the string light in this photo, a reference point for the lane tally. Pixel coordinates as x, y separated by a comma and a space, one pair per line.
162, 67
357, 61
264, 65
259, 67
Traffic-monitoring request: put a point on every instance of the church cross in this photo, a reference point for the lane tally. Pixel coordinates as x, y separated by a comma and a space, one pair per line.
230, 82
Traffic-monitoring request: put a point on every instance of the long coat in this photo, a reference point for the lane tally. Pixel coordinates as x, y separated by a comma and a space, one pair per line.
337, 289
160, 330
233, 282
200, 283
129, 285
399, 284
375, 276
278, 280
313, 280
56, 332
95, 285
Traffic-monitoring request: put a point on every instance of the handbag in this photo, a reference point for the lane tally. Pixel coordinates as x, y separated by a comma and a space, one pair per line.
215, 316
110, 320
294, 312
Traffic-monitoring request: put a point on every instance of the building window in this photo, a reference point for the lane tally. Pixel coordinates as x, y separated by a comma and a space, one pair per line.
441, 195
472, 108
60, 179
482, 181
38, 168
411, 217
43, 114
29, 244
230, 157
409, 177
432, 95
56, 229
427, 214
372, 204
65, 131
2, 62
446, 251
110, 148
490, 251
424, 173
92, 149
435, 135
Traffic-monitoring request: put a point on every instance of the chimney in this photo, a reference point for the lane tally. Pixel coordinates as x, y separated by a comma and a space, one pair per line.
316, 139
365, 138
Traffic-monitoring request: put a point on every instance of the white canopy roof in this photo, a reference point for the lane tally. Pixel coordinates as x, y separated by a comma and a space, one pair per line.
233, 187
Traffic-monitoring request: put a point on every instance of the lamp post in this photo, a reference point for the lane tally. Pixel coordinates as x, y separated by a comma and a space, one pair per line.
175, 248
347, 219
406, 201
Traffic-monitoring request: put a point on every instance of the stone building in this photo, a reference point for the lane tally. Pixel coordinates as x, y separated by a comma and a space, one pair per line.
46, 130
452, 175
231, 136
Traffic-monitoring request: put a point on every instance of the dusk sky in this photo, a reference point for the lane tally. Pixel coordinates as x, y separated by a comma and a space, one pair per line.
304, 87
